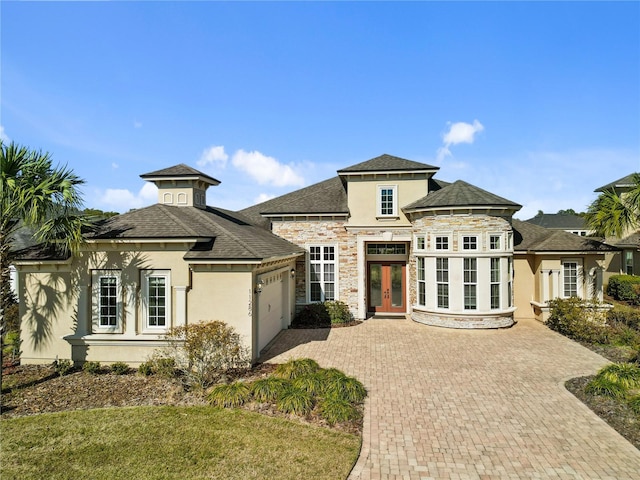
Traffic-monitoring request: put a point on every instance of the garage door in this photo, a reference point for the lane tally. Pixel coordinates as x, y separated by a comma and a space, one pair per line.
271, 307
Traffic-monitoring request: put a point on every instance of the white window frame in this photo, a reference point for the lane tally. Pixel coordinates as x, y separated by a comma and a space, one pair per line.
323, 272
436, 237
96, 284
470, 236
499, 238
421, 276
394, 201
627, 262
144, 304
470, 282
578, 280
442, 281
495, 283
420, 243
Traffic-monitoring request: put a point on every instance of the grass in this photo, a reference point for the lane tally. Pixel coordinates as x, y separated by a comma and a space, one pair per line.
171, 442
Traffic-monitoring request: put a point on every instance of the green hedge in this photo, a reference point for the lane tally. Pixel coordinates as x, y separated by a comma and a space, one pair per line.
323, 314
625, 288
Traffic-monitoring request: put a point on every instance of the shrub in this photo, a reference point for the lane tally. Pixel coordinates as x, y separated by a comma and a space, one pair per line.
604, 386
571, 318
63, 367
145, 369
626, 375
203, 352
337, 410
163, 366
269, 389
296, 401
623, 314
314, 383
11, 317
91, 367
11, 344
312, 315
625, 288
296, 367
634, 404
119, 368
338, 312
348, 389
621, 334
231, 395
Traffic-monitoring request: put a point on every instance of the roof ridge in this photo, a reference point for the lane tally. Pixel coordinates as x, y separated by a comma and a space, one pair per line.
227, 231
177, 218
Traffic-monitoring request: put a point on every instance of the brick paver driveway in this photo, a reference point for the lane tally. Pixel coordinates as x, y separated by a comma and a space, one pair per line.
480, 404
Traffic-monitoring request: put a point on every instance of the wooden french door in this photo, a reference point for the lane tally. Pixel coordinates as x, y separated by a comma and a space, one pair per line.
386, 290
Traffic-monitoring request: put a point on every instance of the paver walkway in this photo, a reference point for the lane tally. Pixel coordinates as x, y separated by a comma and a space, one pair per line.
455, 404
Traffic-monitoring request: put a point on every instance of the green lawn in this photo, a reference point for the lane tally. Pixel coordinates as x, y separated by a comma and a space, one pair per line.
169, 443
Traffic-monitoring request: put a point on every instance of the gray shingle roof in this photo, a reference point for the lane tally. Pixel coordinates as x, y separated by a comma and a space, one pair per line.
180, 170
530, 237
385, 163
559, 221
461, 194
630, 241
223, 235
623, 182
327, 197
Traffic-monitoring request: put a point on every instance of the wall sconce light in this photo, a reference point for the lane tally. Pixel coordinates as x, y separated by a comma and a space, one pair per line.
259, 286
293, 272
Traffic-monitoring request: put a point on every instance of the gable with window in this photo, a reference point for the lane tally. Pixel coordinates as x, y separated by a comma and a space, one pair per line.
387, 201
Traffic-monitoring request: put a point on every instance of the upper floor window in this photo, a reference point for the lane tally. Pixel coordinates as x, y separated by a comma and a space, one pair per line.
107, 301
494, 242
322, 273
420, 243
156, 299
442, 243
387, 201
469, 242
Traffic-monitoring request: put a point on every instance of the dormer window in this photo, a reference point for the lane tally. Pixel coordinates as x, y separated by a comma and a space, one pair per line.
387, 201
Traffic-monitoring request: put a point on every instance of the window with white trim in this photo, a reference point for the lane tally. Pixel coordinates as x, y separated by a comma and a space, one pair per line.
442, 242
387, 201
442, 282
628, 262
510, 282
107, 301
495, 283
422, 284
494, 242
470, 277
156, 300
570, 278
322, 273
469, 242
420, 243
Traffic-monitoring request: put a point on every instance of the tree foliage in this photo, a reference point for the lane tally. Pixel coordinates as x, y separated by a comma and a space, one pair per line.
614, 213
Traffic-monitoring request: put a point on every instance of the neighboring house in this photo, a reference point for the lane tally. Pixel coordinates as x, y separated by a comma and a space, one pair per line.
628, 260
383, 236
562, 221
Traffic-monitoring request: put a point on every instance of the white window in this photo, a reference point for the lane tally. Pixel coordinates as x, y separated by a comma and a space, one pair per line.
156, 300
322, 273
470, 275
442, 282
106, 301
420, 243
442, 242
494, 242
387, 201
628, 262
422, 284
167, 198
469, 242
182, 198
510, 284
495, 283
570, 279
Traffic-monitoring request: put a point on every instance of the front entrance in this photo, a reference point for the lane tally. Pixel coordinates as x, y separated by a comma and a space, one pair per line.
386, 287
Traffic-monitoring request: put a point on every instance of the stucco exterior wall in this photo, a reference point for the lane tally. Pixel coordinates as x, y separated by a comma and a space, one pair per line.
525, 287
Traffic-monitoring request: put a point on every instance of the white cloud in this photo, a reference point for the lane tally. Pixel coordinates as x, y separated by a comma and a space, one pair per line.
115, 166
266, 170
459, 132
3, 136
123, 200
137, 124
213, 155
263, 197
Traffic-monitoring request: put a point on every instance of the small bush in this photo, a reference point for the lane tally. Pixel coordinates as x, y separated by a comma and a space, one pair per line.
331, 374
634, 404
204, 352
296, 367
625, 288
606, 387
91, 367
338, 312
231, 395
296, 401
337, 410
63, 367
314, 315
269, 389
163, 367
571, 318
627, 375
11, 344
625, 315
314, 383
145, 369
348, 389
119, 368
622, 335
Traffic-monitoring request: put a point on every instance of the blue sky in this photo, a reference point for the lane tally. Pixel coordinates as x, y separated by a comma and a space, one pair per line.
537, 102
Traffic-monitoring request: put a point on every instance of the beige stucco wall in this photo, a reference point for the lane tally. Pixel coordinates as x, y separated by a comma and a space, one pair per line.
363, 198
525, 286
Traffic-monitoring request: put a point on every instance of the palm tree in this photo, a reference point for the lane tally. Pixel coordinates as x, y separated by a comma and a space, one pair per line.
40, 196
613, 213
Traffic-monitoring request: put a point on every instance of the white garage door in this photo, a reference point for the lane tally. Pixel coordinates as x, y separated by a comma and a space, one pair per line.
271, 308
